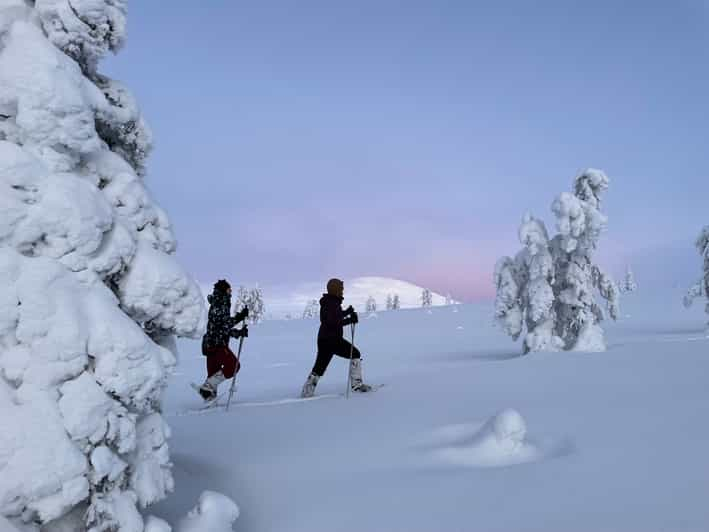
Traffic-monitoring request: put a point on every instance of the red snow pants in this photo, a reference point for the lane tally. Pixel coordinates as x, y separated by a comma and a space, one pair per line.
221, 358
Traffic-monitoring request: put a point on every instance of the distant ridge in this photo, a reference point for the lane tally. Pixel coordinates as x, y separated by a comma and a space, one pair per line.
284, 300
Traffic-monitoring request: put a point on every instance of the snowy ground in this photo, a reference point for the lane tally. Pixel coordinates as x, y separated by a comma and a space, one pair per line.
614, 441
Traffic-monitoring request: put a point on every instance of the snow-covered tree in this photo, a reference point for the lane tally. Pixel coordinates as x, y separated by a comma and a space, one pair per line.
549, 286
629, 284
252, 298
390, 302
701, 287
92, 296
312, 310
395, 303
257, 308
580, 223
426, 298
524, 290
371, 305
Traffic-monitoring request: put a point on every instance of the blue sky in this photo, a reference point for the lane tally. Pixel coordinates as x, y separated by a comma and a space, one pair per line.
299, 141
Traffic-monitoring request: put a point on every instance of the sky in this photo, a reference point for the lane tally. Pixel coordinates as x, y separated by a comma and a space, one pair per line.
297, 141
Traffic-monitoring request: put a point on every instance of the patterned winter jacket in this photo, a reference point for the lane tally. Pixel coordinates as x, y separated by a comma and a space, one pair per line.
220, 323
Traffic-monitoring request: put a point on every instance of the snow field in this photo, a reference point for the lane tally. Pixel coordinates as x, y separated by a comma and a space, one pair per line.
611, 440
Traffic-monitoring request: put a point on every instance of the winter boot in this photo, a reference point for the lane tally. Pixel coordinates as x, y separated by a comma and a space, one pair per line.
309, 386
356, 377
208, 391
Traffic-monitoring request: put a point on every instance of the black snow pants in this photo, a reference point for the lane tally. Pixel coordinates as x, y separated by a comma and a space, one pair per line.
328, 348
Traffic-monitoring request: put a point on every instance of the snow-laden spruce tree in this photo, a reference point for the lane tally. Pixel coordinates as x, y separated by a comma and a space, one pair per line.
370, 305
91, 296
390, 302
629, 285
548, 288
524, 290
253, 299
701, 287
312, 310
580, 223
395, 302
426, 298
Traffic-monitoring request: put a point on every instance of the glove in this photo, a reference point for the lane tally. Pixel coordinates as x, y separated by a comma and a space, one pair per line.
349, 310
243, 314
240, 333
354, 318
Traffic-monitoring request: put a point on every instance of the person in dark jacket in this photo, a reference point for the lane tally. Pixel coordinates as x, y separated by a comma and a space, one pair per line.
221, 362
330, 340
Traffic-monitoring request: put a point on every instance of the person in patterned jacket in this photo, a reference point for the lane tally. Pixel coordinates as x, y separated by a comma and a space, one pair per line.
222, 364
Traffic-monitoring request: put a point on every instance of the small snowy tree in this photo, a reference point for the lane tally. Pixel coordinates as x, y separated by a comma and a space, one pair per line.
629, 284
252, 299
390, 302
395, 303
701, 287
312, 309
426, 298
371, 305
548, 286
257, 308
449, 299
524, 290
92, 296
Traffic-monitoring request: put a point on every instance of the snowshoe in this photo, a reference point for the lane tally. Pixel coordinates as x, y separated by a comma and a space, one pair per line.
205, 391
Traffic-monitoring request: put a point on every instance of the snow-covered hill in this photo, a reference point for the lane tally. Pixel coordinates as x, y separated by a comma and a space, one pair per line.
283, 300
290, 300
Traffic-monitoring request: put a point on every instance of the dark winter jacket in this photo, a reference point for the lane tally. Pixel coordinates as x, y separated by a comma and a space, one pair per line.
332, 318
220, 323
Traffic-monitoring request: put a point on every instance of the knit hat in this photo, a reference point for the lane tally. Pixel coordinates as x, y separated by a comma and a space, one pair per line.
335, 286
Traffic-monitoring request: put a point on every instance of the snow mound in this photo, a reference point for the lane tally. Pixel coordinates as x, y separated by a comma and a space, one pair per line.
501, 441
155, 524
214, 513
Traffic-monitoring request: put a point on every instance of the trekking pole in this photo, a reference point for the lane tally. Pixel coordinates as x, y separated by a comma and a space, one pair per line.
233, 379
349, 367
